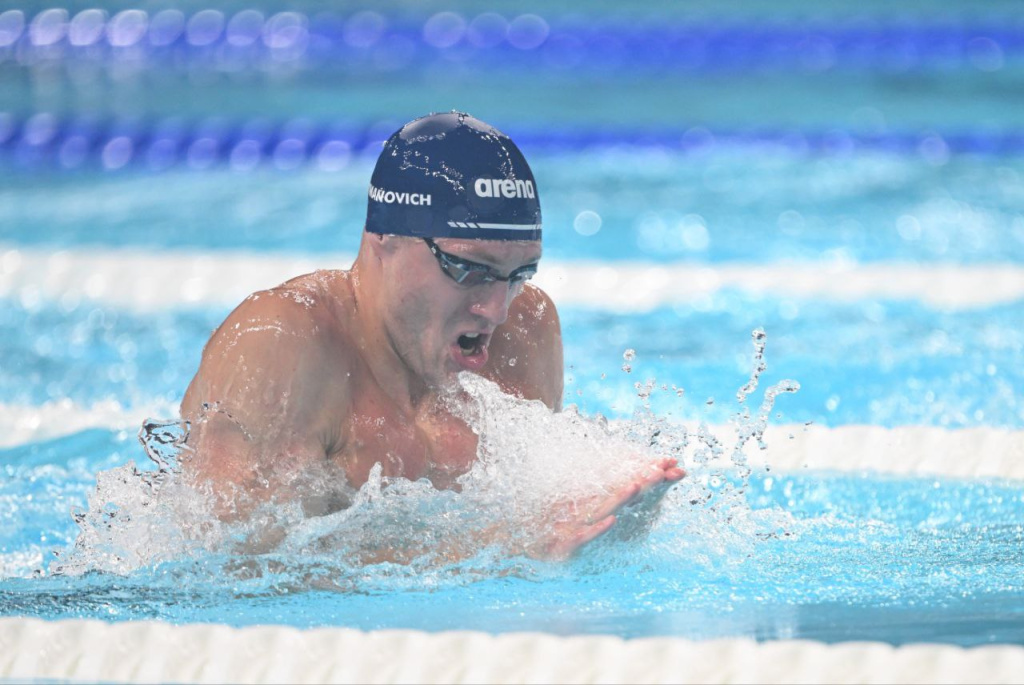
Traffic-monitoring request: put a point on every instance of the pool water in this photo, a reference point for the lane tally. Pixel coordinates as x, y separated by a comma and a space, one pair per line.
824, 555
700, 175
653, 205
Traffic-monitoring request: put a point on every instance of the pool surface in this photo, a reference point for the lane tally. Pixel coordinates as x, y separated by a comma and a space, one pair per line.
844, 222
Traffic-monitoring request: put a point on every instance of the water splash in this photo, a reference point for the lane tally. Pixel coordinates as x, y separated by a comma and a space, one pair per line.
164, 442
136, 518
747, 427
535, 471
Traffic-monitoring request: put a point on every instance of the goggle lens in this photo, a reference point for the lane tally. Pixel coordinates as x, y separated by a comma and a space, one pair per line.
469, 274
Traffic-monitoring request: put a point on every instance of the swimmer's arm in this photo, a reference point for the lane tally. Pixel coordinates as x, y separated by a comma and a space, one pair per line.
564, 529
257, 405
527, 350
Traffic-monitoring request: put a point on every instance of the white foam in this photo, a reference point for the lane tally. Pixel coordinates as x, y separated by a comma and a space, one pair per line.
961, 452
147, 651
149, 281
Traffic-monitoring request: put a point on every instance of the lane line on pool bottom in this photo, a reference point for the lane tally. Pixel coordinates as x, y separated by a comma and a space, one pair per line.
905, 450
151, 281
151, 651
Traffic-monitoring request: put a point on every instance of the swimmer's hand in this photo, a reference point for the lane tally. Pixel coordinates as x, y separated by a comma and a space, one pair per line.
577, 523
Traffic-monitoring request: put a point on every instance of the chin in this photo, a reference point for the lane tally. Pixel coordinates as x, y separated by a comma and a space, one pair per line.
442, 376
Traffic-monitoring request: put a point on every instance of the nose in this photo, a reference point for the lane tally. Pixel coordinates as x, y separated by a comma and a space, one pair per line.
493, 302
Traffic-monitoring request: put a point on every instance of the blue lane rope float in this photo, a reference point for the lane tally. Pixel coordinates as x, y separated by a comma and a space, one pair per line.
44, 140
370, 40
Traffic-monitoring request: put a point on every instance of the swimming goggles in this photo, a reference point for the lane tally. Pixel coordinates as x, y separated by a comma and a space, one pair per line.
469, 273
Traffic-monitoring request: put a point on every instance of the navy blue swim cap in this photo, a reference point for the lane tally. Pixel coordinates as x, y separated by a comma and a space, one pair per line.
452, 176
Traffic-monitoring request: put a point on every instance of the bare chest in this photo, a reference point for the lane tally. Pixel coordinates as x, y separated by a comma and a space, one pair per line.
431, 444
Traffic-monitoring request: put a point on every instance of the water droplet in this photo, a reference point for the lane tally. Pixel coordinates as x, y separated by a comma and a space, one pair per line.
512, 361
643, 390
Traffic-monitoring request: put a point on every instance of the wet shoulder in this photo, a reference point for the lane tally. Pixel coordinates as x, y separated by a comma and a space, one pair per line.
298, 312
533, 311
279, 342
526, 352
290, 330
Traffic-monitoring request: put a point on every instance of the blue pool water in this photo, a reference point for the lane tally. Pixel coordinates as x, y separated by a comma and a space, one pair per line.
894, 145
655, 205
882, 363
828, 556
856, 557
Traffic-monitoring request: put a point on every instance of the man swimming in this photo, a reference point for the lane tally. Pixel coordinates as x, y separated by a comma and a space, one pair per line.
337, 371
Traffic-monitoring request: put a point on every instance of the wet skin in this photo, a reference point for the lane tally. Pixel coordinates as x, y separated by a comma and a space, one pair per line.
335, 371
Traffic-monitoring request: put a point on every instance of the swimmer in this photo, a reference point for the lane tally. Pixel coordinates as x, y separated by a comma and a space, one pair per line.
337, 371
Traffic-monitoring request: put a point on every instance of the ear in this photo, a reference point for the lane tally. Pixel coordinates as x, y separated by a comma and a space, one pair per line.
381, 244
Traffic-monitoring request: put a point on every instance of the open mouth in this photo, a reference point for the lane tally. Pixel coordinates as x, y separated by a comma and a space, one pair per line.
471, 343
470, 350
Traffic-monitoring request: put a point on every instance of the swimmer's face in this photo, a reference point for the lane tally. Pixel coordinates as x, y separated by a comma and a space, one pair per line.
438, 326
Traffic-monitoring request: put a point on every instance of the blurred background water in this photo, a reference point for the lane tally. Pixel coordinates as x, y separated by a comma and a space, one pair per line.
691, 133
